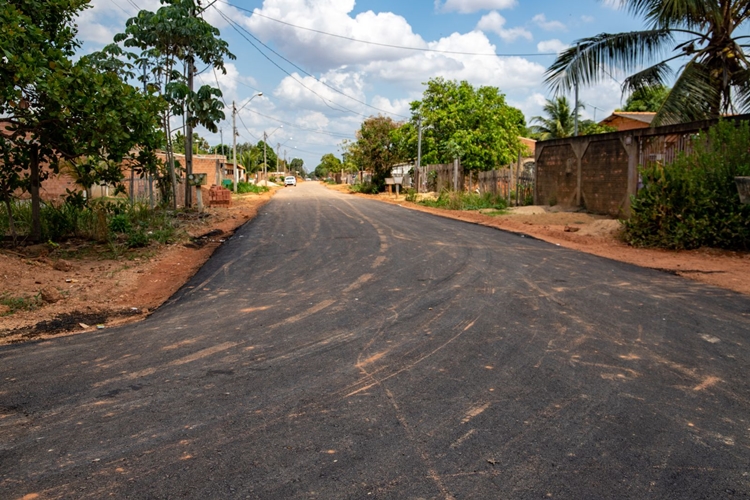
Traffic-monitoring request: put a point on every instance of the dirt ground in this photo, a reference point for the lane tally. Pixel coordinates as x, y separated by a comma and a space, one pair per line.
86, 292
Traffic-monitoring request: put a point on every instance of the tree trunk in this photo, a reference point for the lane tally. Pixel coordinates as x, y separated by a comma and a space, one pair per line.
11, 223
170, 161
36, 211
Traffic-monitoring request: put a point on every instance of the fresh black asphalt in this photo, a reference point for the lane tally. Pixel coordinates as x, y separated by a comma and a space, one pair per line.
341, 348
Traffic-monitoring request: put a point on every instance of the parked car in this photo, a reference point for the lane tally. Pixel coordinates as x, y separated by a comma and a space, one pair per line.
290, 180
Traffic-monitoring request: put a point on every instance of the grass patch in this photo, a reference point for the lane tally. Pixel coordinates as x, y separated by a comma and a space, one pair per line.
15, 304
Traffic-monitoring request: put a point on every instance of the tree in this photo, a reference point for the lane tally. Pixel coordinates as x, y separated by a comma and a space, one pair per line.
328, 164
174, 35
375, 149
559, 121
647, 99
59, 112
703, 37
477, 123
297, 165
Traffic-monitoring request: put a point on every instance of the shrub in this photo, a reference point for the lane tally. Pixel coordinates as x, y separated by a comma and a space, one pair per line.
366, 188
246, 187
456, 200
693, 202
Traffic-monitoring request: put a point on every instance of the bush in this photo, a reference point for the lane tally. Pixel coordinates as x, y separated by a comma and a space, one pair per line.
410, 194
693, 202
456, 200
246, 187
365, 188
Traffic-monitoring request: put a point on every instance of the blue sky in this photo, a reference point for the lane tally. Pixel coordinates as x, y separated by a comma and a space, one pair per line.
305, 95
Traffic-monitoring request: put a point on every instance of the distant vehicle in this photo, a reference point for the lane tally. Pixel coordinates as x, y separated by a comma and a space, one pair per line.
290, 180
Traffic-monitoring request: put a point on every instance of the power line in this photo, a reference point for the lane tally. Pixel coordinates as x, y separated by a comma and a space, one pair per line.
332, 134
234, 25
402, 47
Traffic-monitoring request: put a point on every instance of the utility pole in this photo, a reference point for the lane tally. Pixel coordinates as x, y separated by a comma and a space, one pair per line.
419, 151
575, 109
278, 147
234, 144
265, 174
221, 136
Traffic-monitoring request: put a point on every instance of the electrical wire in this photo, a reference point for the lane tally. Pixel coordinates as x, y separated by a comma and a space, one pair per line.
234, 25
402, 47
332, 134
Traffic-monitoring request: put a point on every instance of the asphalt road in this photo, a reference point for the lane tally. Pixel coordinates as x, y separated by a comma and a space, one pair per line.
337, 347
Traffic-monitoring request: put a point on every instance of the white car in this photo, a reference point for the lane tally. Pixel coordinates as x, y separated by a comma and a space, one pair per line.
290, 180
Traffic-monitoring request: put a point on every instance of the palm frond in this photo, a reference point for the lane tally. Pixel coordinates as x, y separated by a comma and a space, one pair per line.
653, 76
590, 60
741, 91
695, 95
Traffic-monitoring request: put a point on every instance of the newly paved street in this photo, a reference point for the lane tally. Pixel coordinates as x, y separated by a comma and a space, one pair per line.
337, 347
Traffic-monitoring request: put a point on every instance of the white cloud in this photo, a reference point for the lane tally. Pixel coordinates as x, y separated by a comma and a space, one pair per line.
541, 21
470, 6
587, 19
323, 52
553, 45
614, 4
495, 23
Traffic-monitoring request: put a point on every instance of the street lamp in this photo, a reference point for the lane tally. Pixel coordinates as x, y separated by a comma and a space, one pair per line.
265, 138
234, 137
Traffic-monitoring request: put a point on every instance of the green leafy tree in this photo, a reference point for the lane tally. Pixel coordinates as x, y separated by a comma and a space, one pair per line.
647, 99
477, 122
703, 38
328, 164
82, 114
375, 149
297, 165
590, 127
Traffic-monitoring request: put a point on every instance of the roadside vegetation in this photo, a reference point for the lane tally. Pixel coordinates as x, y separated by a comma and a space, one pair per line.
693, 202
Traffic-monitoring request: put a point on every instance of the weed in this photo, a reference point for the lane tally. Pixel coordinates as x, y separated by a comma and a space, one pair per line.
15, 304
455, 200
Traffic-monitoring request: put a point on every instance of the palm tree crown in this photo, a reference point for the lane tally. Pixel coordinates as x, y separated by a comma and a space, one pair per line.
701, 36
559, 122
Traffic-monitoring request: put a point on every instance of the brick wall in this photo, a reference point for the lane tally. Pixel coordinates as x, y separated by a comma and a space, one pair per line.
604, 177
600, 172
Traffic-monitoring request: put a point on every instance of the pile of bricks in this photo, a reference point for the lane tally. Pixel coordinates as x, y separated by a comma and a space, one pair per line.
219, 197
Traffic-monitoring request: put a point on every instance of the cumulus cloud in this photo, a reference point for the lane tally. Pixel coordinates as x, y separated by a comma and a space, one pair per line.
541, 21
469, 6
553, 45
495, 23
323, 52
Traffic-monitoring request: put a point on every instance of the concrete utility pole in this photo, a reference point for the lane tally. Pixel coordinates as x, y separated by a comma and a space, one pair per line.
575, 109
189, 138
265, 174
234, 145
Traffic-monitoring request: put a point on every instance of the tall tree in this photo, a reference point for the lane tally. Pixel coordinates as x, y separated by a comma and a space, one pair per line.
704, 38
475, 122
176, 35
376, 149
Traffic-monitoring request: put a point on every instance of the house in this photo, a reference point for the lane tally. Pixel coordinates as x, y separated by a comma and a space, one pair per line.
626, 120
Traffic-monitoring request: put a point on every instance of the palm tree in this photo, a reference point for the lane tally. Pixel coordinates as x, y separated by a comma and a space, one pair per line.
700, 36
559, 122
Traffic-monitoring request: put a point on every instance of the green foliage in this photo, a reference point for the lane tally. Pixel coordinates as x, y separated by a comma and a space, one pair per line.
15, 304
647, 99
329, 164
703, 38
365, 188
410, 194
457, 200
246, 187
693, 202
558, 122
475, 123
98, 221
375, 149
